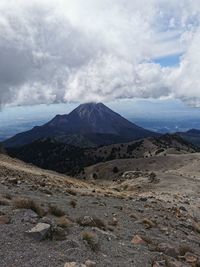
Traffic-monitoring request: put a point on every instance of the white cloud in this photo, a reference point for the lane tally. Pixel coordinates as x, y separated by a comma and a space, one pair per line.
74, 50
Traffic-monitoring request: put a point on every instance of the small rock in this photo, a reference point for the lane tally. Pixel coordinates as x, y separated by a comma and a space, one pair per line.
30, 216
137, 240
191, 258
90, 263
74, 264
196, 227
86, 220
143, 199
175, 263
4, 219
48, 220
159, 264
168, 250
40, 231
183, 208
13, 181
114, 221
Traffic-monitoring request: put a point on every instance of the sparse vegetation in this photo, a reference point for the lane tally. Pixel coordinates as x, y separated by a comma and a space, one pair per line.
56, 211
64, 222
94, 176
26, 203
92, 222
91, 239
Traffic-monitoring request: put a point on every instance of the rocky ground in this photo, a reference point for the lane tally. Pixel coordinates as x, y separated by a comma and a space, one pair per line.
47, 219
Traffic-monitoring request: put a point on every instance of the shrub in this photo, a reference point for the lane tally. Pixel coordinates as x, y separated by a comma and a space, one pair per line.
56, 211
94, 176
91, 239
64, 222
27, 203
115, 170
73, 203
92, 222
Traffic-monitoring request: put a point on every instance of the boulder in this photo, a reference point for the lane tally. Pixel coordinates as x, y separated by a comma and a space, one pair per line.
40, 231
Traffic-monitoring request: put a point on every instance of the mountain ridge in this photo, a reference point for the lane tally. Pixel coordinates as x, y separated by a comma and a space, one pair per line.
51, 154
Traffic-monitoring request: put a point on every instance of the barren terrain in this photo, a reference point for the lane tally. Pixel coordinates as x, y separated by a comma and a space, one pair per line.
145, 213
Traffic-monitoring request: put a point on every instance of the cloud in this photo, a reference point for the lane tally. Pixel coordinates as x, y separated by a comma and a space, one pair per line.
74, 50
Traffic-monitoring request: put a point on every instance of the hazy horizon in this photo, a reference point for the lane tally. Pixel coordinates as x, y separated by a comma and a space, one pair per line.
157, 115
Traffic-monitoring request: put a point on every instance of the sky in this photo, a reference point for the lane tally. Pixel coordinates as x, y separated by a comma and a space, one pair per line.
73, 50
54, 53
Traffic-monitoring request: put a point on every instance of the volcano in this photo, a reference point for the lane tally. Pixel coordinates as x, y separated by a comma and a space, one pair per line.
89, 124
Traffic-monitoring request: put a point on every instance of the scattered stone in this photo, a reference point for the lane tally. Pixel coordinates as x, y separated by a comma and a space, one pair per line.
106, 233
40, 231
159, 264
168, 250
90, 263
114, 221
196, 227
30, 216
13, 181
191, 258
4, 219
86, 220
137, 240
74, 264
175, 263
143, 199
183, 208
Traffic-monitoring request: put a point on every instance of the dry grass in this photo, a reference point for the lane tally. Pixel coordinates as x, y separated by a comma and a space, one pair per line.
64, 222
27, 203
91, 239
56, 211
148, 223
71, 192
95, 222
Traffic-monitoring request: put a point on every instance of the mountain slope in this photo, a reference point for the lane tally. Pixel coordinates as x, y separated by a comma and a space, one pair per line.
192, 136
110, 223
95, 123
50, 154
